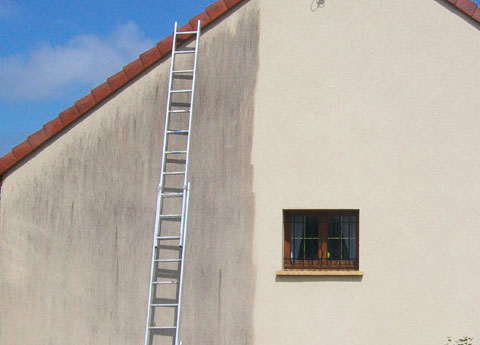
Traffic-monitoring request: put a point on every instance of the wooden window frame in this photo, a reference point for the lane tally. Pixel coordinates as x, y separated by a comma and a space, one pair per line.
323, 262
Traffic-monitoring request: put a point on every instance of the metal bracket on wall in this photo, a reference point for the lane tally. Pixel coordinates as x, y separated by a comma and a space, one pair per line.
316, 4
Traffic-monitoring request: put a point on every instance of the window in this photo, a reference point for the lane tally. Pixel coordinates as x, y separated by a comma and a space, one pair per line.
321, 239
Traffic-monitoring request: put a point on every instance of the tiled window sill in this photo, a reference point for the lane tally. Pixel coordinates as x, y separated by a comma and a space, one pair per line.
304, 273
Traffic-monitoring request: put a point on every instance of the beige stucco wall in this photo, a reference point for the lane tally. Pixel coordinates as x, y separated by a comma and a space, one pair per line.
77, 217
370, 105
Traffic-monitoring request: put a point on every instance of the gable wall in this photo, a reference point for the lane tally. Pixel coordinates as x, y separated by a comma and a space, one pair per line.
370, 105
367, 105
77, 217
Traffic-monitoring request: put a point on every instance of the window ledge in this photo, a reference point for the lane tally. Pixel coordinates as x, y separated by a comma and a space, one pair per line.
304, 273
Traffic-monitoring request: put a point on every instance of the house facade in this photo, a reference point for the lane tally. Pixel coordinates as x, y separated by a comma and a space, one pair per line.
334, 166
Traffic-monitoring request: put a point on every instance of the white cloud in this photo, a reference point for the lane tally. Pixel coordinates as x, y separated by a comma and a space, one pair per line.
85, 60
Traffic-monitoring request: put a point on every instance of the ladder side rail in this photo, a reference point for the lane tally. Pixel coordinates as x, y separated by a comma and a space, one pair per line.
159, 195
182, 219
152, 267
184, 245
167, 112
183, 228
191, 103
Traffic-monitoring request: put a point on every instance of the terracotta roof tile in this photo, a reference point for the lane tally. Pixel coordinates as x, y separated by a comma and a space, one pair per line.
476, 14
69, 115
217, 9
468, 7
21, 150
85, 104
165, 45
53, 127
134, 68
37, 138
101, 92
204, 20
7, 161
231, 3
115, 82
150, 56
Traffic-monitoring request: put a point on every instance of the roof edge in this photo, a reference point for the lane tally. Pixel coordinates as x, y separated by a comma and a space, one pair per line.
469, 7
114, 83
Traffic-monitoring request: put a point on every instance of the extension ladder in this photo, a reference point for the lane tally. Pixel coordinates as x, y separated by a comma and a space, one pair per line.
173, 194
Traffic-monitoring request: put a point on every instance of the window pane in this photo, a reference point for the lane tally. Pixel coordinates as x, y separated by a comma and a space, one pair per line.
345, 249
353, 228
311, 227
296, 251
333, 227
345, 226
334, 249
353, 249
297, 227
311, 249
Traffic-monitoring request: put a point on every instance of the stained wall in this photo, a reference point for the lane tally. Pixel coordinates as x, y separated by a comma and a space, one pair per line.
77, 217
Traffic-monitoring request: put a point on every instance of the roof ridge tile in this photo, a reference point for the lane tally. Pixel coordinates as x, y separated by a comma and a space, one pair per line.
7, 161
134, 68
85, 103
21, 150
37, 138
232, 3
117, 80
216, 9
69, 115
150, 56
101, 92
53, 127
466, 6
165, 45
203, 17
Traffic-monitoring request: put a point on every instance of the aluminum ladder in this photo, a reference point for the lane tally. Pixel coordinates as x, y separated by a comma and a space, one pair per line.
173, 192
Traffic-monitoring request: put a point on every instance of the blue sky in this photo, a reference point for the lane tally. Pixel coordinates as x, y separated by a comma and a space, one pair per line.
54, 52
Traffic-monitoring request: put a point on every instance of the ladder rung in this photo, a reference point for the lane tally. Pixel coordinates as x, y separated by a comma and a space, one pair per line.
178, 131
186, 32
179, 111
170, 216
174, 173
162, 327
175, 152
165, 282
183, 71
168, 238
167, 260
171, 195
164, 305
181, 91
184, 51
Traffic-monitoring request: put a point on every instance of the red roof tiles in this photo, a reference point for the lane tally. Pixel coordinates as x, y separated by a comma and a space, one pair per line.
115, 82
469, 7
